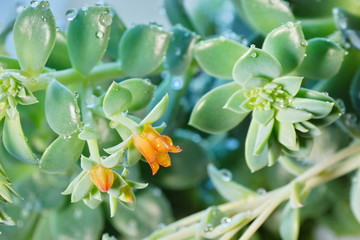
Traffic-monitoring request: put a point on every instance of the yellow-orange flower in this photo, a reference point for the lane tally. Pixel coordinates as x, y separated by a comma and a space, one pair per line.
102, 177
154, 147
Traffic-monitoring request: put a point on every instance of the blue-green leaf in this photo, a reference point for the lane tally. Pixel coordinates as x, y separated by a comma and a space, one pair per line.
286, 135
290, 115
291, 84
117, 100
290, 223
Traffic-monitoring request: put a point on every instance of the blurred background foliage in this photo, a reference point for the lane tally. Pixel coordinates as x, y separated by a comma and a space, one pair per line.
185, 188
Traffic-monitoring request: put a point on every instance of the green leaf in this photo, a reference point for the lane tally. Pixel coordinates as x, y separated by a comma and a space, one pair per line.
313, 130
286, 135
141, 92
59, 57
235, 101
9, 63
327, 55
290, 223
317, 108
117, 30
177, 14
290, 115
291, 84
292, 165
355, 196
157, 111
112, 160
218, 56
61, 109
260, 160
254, 82
296, 195
179, 53
287, 44
133, 155
15, 141
88, 36
209, 114
117, 100
256, 63
227, 188
142, 49
82, 188
62, 154
264, 16
305, 146
211, 217
263, 116
262, 136
34, 37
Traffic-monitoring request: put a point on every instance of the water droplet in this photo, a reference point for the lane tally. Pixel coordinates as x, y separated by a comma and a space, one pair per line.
67, 137
346, 53
253, 54
99, 34
34, 4
304, 43
100, 3
252, 46
177, 83
290, 24
226, 175
43, 18
350, 119
261, 191
347, 45
325, 94
71, 14
105, 18
45, 5
225, 220
208, 228
125, 113
147, 81
76, 94
305, 55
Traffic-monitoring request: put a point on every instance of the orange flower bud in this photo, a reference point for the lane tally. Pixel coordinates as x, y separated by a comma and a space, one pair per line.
102, 177
155, 147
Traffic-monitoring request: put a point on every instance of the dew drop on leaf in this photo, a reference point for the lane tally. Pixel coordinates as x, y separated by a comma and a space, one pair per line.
105, 18
226, 175
225, 220
261, 191
99, 34
71, 14
45, 5
208, 228
34, 4
253, 54
304, 43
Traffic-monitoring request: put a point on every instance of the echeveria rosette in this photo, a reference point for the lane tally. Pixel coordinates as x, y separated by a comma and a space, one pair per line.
99, 176
13, 91
284, 116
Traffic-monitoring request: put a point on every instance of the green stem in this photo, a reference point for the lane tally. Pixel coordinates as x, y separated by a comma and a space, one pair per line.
94, 149
103, 72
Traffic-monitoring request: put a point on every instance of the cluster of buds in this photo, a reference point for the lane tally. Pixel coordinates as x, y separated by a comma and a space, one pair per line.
12, 92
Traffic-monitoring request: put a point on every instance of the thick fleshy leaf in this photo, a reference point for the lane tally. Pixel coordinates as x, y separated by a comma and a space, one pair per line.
34, 37
88, 36
228, 189
263, 116
259, 160
59, 57
317, 108
82, 188
141, 92
61, 109
62, 154
264, 15
117, 29
218, 56
254, 82
355, 196
142, 49
157, 111
323, 60
292, 165
209, 114
15, 141
112, 160
305, 146
313, 130
291, 84
287, 44
177, 14
179, 53
262, 136
290, 115
235, 101
286, 135
256, 63
211, 217
290, 223
117, 100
